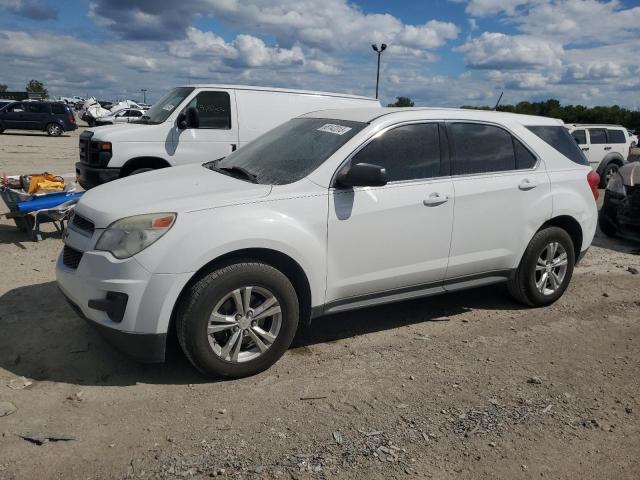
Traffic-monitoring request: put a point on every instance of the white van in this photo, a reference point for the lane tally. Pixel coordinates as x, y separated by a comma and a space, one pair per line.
196, 123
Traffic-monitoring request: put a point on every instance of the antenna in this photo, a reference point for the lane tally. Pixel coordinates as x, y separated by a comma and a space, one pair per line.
498, 102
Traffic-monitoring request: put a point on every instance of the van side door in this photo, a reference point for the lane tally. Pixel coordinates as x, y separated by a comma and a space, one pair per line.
217, 134
502, 197
37, 115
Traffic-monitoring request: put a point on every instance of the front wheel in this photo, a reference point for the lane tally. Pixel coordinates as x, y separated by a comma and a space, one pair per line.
545, 269
238, 320
54, 130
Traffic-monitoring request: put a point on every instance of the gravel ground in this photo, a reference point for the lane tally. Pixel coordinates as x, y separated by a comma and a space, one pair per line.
467, 385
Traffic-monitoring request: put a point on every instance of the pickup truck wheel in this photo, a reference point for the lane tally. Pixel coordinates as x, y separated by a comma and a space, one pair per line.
545, 269
238, 320
54, 130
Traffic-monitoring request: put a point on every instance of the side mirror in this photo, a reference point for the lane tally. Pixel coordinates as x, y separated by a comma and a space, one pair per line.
188, 118
362, 175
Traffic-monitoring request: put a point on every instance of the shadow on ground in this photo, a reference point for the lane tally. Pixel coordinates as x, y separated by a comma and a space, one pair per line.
39, 134
43, 339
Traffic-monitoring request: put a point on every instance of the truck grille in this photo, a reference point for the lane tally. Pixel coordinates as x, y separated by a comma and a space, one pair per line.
83, 225
85, 144
71, 257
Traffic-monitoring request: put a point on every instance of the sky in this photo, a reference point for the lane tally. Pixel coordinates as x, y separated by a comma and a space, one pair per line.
440, 52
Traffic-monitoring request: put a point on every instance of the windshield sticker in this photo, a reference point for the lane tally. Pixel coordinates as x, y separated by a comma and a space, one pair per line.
333, 128
168, 107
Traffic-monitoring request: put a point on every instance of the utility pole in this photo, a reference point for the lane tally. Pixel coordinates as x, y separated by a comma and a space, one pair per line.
379, 51
144, 95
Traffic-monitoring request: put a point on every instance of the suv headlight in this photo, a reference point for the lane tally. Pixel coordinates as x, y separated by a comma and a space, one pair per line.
128, 236
616, 185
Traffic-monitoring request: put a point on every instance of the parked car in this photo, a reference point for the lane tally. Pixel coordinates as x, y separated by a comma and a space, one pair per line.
605, 146
193, 124
620, 212
124, 115
332, 211
51, 117
633, 138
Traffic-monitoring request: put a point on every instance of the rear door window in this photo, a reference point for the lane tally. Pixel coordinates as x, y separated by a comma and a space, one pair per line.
409, 152
37, 108
616, 136
214, 109
479, 148
598, 136
558, 137
58, 109
580, 136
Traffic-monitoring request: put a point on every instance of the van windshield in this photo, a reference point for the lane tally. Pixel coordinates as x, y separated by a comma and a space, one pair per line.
161, 110
289, 152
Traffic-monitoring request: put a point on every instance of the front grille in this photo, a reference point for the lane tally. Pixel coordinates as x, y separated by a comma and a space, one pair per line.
85, 147
71, 257
82, 224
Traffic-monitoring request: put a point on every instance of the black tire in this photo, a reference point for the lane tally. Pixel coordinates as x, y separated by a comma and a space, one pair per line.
606, 225
522, 286
54, 130
195, 309
607, 172
141, 170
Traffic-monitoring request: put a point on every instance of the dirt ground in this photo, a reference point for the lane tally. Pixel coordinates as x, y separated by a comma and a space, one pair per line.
468, 385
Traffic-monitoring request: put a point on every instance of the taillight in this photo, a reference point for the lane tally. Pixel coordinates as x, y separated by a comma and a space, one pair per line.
72, 119
593, 179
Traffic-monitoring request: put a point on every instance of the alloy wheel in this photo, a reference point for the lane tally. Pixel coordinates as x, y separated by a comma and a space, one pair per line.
551, 268
244, 324
55, 130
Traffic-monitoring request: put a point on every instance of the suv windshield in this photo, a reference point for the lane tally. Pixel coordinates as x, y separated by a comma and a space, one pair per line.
289, 152
161, 110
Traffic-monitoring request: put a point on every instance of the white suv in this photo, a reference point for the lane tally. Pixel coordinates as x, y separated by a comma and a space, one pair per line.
605, 146
331, 211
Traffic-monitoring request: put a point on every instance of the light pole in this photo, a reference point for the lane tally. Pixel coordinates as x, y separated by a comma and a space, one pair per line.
144, 95
382, 48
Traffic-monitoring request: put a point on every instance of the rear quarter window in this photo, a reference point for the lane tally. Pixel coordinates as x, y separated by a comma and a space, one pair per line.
616, 136
58, 109
558, 137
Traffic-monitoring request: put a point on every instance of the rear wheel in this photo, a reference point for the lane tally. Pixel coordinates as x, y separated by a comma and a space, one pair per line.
609, 171
545, 269
54, 130
238, 320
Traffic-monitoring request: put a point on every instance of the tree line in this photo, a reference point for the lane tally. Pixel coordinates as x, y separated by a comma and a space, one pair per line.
615, 114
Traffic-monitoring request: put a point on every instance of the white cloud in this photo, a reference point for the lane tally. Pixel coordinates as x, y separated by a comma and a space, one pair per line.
493, 50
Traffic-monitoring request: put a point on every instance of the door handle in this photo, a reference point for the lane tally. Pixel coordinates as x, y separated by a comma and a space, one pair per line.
586, 149
435, 199
607, 148
527, 184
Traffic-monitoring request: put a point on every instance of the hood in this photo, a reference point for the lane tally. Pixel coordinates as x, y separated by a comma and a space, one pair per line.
175, 189
630, 173
130, 132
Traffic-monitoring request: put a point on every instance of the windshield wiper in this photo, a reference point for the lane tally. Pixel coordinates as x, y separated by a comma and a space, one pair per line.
234, 171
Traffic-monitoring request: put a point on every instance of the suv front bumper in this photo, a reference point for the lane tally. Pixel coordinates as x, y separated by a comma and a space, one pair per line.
127, 304
89, 177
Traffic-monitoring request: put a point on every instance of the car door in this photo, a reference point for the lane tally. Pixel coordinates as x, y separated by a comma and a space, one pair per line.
502, 197
13, 116
598, 146
121, 117
580, 136
217, 135
397, 236
37, 115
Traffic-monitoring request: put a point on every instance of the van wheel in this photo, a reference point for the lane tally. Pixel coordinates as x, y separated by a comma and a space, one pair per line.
545, 269
237, 320
140, 170
54, 130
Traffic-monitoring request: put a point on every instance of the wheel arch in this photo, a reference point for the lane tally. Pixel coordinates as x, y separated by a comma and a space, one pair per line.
142, 162
279, 260
569, 225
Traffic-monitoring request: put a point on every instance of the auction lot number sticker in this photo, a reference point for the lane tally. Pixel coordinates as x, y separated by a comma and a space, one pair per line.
333, 128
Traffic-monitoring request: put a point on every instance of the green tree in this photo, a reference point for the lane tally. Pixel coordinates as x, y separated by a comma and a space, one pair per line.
402, 102
3, 87
36, 86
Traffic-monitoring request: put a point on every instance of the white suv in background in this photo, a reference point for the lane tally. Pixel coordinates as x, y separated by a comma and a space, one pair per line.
332, 211
605, 146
